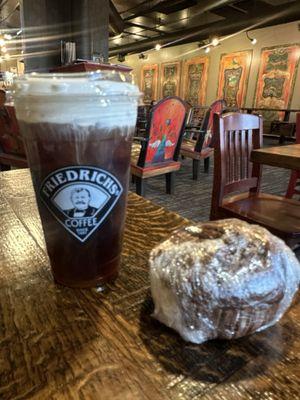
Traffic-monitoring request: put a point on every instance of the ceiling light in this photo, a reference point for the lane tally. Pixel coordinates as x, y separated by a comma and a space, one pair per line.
207, 49
252, 40
7, 56
3, 49
7, 36
215, 41
2, 41
157, 47
19, 32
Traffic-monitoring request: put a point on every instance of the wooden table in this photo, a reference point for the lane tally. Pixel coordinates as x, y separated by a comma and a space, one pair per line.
278, 156
60, 343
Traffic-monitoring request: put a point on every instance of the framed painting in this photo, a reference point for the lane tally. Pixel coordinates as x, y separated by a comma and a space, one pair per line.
194, 82
233, 77
149, 81
170, 79
276, 78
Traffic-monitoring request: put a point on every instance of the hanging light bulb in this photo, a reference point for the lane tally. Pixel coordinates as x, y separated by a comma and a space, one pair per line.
252, 40
3, 49
215, 41
7, 36
2, 41
157, 47
7, 56
207, 49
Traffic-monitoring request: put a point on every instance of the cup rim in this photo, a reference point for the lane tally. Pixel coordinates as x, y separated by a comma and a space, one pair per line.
106, 74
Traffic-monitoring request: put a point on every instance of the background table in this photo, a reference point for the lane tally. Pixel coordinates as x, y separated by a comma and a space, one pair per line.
278, 156
60, 343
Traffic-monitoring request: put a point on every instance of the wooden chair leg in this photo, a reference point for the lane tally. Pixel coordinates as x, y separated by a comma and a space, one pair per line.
140, 186
170, 183
132, 178
4, 167
281, 139
206, 164
196, 167
292, 184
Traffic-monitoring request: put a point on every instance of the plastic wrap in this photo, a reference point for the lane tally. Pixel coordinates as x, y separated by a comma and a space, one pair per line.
222, 279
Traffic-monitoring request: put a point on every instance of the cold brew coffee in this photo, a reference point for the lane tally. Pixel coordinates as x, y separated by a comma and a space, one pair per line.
78, 131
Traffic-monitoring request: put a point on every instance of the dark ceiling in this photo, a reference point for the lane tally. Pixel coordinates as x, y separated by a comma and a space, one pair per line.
137, 25
142, 24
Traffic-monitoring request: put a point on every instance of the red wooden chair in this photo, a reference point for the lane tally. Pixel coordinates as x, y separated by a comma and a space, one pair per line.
236, 135
202, 148
159, 151
12, 152
295, 175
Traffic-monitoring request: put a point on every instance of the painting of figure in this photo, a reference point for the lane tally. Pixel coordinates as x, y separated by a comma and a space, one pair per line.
233, 77
170, 79
194, 81
164, 132
149, 76
276, 78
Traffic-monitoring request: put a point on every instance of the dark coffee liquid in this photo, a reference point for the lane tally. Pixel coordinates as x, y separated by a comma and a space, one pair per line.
51, 147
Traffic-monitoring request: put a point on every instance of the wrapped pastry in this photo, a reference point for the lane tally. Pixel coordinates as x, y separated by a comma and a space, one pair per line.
222, 279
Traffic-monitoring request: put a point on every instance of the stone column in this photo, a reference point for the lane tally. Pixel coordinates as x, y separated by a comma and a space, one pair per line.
46, 23
90, 27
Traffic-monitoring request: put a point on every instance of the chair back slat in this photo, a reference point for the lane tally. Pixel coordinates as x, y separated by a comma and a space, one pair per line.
165, 132
244, 155
236, 135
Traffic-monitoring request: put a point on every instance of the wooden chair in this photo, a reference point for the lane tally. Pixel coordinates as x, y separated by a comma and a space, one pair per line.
143, 118
236, 135
12, 152
194, 120
159, 150
295, 175
202, 148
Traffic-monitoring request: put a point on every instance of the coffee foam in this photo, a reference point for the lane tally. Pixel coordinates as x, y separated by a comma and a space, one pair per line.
80, 99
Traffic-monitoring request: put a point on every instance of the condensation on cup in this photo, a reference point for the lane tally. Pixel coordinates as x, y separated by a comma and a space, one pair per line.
78, 130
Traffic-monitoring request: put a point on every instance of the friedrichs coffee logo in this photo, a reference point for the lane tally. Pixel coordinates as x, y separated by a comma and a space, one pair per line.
80, 198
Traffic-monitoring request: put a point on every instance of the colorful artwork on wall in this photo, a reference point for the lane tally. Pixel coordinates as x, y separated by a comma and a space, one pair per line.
194, 82
233, 77
149, 80
276, 78
170, 79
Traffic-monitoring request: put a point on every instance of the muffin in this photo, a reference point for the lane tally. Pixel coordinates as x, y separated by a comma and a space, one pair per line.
222, 279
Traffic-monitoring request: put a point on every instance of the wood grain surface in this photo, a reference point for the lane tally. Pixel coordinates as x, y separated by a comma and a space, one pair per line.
60, 343
279, 156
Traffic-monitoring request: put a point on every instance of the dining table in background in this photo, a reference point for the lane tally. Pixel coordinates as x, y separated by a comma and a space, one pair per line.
287, 156
102, 343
